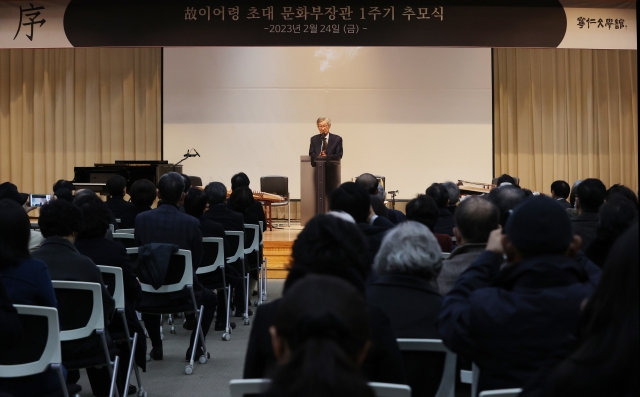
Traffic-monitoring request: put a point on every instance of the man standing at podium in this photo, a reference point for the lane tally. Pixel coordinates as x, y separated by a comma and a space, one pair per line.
325, 144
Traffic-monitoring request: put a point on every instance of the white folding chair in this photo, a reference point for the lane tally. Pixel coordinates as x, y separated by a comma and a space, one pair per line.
471, 378
390, 389
95, 322
254, 247
262, 272
501, 393
118, 296
113, 389
239, 255
186, 282
128, 231
51, 355
218, 263
242, 387
448, 382
112, 228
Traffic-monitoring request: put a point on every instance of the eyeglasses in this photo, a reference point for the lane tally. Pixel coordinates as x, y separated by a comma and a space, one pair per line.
323, 125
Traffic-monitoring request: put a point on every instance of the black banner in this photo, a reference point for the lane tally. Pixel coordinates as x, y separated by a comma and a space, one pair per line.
104, 23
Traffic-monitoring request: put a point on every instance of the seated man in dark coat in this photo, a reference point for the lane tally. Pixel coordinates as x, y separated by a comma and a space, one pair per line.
116, 187
355, 201
475, 218
242, 180
60, 221
440, 195
370, 183
513, 321
231, 221
143, 194
454, 196
242, 201
168, 225
506, 198
408, 263
590, 196
423, 209
560, 191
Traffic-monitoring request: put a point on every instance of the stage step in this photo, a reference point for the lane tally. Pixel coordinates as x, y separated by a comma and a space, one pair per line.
278, 254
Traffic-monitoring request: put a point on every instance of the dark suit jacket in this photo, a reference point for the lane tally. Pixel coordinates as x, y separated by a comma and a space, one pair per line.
334, 145
213, 229
396, 216
413, 306
445, 222
585, 225
375, 233
118, 206
382, 364
128, 219
230, 220
564, 203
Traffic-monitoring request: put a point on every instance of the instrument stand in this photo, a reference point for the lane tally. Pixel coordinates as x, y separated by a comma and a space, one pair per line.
393, 199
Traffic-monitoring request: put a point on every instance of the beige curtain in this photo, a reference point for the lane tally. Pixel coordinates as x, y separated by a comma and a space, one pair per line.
566, 114
61, 108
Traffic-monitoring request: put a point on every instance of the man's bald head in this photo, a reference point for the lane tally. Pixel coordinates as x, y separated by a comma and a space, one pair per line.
475, 218
368, 182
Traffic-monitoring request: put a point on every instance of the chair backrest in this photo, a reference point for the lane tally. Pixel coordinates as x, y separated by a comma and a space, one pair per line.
128, 231
96, 320
239, 254
187, 275
195, 180
275, 184
213, 264
261, 235
50, 355
448, 381
112, 278
501, 393
255, 243
242, 387
471, 377
390, 389
128, 239
446, 255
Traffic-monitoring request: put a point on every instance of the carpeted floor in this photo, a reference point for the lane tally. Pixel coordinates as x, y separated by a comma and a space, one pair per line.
166, 378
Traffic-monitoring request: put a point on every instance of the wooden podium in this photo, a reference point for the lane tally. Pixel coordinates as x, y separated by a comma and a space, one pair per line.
319, 177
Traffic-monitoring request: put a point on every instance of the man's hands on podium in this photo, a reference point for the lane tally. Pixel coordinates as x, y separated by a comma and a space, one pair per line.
322, 154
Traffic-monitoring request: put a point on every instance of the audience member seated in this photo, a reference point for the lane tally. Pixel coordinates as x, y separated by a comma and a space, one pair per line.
606, 360
616, 216
439, 194
560, 191
60, 222
241, 201
370, 183
329, 245
475, 218
117, 188
320, 336
408, 263
143, 194
195, 203
454, 195
10, 191
513, 321
589, 197
572, 199
166, 224
242, 180
621, 190
355, 201
104, 252
63, 194
63, 184
506, 198
23, 281
505, 180
187, 186
423, 209
231, 221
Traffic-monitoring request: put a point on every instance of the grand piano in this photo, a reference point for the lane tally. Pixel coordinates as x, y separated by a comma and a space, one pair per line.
95, 178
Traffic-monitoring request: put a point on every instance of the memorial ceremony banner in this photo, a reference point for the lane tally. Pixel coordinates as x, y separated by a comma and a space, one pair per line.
447, 23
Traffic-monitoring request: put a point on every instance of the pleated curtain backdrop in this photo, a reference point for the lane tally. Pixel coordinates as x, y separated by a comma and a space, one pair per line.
61, 108
566, 114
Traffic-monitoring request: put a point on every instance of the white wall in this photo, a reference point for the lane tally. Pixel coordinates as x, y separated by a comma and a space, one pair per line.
414, 115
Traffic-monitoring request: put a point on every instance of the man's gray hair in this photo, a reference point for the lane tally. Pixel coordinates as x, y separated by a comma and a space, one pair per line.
321, 119
409, 248
454, 192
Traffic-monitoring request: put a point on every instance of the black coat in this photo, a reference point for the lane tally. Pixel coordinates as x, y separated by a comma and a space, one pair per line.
412, 306
118, 206
445, 222
128, 219
564, 203
334, 145
375, 233
382, 364
585, 225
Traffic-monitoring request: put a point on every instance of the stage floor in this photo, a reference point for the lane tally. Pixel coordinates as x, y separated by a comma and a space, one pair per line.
277, 247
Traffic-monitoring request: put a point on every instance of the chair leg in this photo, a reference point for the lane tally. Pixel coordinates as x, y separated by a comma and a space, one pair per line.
132, 359
113, 374
246, 302
264, 278
113, 391
289, 214
63, 383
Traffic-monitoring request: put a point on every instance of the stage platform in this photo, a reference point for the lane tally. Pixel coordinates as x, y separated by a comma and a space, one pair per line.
277, 247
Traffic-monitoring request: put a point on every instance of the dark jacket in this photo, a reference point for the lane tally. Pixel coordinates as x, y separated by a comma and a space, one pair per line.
213, 229
11, 330
445, 222
375, 233
458, 261
334, 145
564, 203
382, 364
396, 216
585, 225
118, 206
128, 219
412, 306
230, 221
514, 321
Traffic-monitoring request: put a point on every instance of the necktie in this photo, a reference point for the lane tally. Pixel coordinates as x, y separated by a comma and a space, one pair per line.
324, 143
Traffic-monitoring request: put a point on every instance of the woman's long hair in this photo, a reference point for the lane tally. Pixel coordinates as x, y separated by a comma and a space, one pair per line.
324, 322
